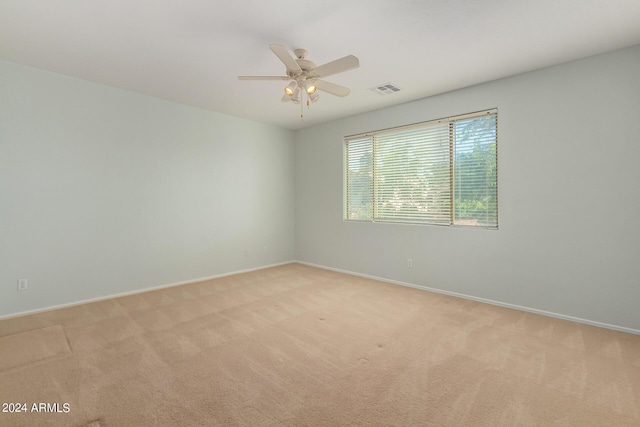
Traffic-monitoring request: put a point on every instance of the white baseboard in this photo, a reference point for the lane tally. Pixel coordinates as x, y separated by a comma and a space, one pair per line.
368, 276
139, 291
484, 300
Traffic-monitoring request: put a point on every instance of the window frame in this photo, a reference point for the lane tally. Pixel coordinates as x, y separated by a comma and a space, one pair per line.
453, 212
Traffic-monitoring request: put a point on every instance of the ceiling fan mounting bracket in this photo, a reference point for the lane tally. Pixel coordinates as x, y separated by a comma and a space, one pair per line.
301, 53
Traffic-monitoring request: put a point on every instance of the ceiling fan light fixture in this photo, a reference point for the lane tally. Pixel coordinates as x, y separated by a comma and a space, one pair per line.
291, 88
295, 97
314, 96
311, 88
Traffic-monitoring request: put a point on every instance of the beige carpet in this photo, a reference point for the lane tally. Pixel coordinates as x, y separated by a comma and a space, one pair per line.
300, 346
27, 348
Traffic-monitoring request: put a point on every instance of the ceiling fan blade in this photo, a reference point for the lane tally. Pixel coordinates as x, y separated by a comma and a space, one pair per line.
263, 78
285, 56
346, 63
332, 88
285, 98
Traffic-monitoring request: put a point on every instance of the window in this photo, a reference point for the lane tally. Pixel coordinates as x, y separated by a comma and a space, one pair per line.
442, 172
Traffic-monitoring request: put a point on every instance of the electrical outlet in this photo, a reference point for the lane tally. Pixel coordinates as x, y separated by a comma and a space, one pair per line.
246, 253
22, 284
266, 249
409, 263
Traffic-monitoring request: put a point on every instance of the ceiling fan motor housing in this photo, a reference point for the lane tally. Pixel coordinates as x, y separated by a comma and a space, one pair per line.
306, 65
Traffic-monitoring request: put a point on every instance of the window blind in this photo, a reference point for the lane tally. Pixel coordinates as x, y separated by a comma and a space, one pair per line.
475, 170
359, 179
441, 172
412, 174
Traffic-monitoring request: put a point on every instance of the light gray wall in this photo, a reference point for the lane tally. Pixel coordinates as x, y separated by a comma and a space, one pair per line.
103, 191
569, 196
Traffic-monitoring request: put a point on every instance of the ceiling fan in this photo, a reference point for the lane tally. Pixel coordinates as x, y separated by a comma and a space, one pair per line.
305, 77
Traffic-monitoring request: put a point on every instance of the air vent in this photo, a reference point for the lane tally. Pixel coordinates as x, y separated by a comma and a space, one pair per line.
385, 89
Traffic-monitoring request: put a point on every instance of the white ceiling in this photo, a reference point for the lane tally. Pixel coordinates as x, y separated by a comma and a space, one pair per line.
190, 51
